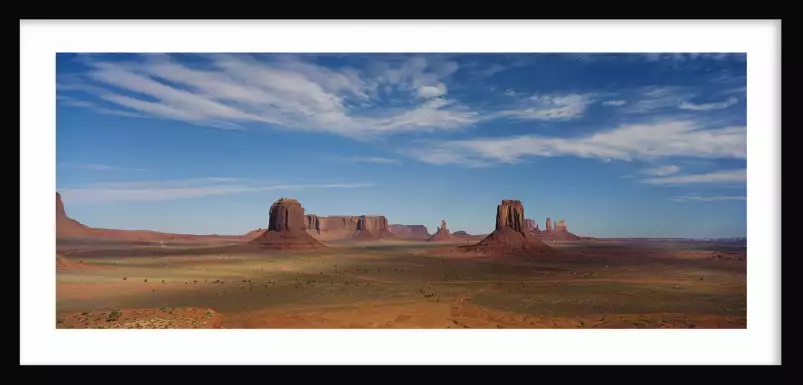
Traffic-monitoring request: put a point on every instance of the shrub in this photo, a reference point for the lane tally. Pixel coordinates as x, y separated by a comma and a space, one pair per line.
113, 316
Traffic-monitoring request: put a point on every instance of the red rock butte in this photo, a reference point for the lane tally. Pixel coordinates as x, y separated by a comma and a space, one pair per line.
287, 228
510, 214
511, 235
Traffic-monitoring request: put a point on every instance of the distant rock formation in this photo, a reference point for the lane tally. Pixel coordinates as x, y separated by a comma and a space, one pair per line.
560, 232
442, 234
510, 234
531, 224
461, 234
287, 228
373, 228
409, 231
548, 225
363, 227
69, 229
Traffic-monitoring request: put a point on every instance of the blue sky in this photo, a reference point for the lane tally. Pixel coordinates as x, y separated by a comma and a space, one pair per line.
616, 144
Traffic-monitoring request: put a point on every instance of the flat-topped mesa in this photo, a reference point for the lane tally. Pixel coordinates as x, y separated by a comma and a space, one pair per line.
510, 213
372, 223
372, 227
409, 231
286, 215
560, 226
348, 226
548, 224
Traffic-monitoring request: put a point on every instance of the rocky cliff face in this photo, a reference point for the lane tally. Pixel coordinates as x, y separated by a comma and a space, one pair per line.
313, 223
410, 231
510, 214
347, 226
286, 215
530, 224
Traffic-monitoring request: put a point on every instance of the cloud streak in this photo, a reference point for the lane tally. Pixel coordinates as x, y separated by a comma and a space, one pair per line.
709, 198
181, 189
614, 103
378, 160
105, 167
663, 170
725, 176
625, 142
709, 106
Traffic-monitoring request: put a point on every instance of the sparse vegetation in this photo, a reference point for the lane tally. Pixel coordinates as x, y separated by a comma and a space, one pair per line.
113, 316
572, 292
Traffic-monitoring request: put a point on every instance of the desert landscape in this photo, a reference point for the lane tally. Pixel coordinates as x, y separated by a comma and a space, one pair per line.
400, 191
306, 271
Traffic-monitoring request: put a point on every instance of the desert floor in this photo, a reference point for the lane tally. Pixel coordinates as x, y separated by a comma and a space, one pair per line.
400, 285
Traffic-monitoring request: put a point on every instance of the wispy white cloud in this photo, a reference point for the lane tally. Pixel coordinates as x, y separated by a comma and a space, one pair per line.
104, 167
549, 107
626, 142
165, 184
71, 102
181, 189
431, 91
709, 198
489, 71
229, 91
367, 159
614, 103
709, 106
650, 99
692, 56
724, 176
662, 170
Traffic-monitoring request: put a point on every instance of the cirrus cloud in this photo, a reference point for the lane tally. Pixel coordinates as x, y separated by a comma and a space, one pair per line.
625, 142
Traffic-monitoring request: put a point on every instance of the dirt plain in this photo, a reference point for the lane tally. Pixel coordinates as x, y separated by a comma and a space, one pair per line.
401, 284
